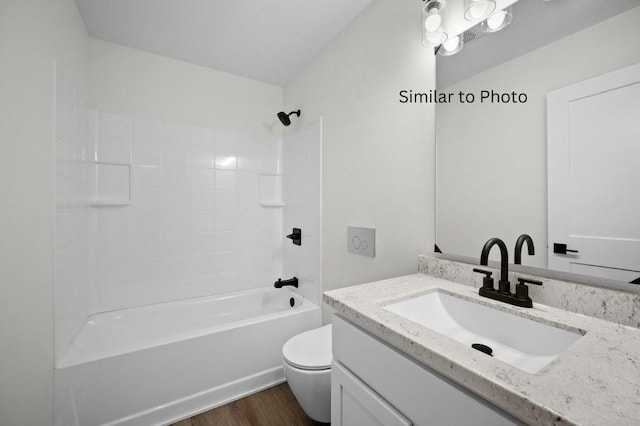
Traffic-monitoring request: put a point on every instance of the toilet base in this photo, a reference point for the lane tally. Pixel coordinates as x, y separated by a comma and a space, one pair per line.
312, 389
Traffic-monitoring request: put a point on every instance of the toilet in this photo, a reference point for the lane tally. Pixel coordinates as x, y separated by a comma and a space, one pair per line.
307, 367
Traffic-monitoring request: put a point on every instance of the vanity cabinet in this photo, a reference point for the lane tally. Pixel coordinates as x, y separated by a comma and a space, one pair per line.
373, 383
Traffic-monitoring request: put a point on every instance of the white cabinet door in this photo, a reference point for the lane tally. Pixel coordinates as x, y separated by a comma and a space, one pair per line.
353, 403
593, 137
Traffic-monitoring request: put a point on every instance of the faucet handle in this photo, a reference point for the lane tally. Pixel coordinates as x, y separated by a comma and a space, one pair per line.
487, 281
528, 281
522, 291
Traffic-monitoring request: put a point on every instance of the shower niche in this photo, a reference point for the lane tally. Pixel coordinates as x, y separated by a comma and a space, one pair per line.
111, 185
271, 191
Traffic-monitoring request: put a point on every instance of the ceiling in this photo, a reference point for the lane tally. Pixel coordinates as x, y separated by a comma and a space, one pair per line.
265, 40
535, 23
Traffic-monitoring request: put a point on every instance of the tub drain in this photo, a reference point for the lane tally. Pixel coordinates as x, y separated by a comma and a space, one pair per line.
482, 348
292, 302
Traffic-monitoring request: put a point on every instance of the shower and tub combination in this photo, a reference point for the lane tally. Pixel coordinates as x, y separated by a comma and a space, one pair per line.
160, 320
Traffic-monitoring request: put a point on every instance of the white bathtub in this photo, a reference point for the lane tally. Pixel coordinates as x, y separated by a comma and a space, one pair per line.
157, 364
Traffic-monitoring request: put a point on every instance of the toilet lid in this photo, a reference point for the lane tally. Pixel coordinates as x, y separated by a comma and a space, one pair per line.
310, 350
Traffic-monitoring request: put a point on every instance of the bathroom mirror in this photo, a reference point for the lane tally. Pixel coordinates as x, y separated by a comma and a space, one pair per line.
491, 154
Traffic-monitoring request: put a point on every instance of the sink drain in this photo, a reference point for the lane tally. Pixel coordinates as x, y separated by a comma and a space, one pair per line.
482, 348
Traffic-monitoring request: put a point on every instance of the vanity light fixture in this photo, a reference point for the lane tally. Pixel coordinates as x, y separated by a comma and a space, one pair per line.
477, 10
432, 20
452, 46
497, 21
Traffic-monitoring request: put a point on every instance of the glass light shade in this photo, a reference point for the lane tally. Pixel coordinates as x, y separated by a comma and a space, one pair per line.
435, 38
497, 21
476, 10
433, 20
452, 46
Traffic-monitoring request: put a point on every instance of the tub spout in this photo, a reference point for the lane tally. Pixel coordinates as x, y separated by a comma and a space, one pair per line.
281, 283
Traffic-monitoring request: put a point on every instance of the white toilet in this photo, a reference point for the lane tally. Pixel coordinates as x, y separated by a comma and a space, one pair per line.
307, 367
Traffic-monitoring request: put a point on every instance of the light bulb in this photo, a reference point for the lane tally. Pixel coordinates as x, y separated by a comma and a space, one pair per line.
436, 38
497, 21
451, 44
476, 10
433, 20
494, 21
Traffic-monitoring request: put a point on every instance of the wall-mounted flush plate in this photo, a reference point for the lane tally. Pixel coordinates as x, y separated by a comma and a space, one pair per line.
361, 241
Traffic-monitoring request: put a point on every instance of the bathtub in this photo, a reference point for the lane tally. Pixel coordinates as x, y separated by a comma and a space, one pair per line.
158, 364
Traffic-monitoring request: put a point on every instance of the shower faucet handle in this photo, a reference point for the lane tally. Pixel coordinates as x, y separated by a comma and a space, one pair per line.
296, 236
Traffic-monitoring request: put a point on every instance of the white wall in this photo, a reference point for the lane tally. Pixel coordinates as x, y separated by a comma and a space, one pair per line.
137, 83
492, 158
32, 35
377, 154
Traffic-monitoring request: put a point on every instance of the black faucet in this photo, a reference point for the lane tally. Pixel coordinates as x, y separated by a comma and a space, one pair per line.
281, 283
517, 257
504, 286
503, 294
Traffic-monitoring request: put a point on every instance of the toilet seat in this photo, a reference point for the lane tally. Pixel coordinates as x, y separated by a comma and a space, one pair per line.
310, 350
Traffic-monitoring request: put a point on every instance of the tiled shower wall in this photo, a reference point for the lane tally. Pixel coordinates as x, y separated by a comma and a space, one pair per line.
72, 145
150, 211
302, 195
178, 211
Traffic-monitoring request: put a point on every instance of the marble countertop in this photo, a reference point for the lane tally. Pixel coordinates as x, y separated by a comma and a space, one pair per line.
594, 382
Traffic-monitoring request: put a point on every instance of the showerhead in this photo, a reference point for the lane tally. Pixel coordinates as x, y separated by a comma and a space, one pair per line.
284, 117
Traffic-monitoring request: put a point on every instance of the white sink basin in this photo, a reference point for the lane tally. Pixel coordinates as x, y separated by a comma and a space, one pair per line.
523, 343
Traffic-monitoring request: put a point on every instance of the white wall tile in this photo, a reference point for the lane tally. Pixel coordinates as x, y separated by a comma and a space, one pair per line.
175, 155
145, 176
175, 134
270, 188
146, 247
147, 222
227, 241
269, 161
115, 133
176, 199
247, 181
177, 222
247, 200
175, 177
226, 221
147, 199
226, 150
226, 200
203, 221
112, 182
202, 178
149, 153
147, 130
201, 157
201, 137
114, 249
202, 199
248, 153
226, 180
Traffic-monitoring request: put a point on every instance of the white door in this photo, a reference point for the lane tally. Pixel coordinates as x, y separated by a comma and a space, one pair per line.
593, 157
